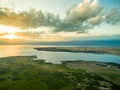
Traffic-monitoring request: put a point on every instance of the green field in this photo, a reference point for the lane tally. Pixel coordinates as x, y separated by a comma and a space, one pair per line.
23, 73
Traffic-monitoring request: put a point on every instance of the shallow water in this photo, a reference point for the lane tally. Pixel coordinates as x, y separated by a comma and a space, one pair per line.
54, 57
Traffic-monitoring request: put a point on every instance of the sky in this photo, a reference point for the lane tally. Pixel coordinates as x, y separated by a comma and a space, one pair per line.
59, 20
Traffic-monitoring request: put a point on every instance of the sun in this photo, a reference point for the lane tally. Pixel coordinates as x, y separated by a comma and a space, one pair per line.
11, 36
10, 32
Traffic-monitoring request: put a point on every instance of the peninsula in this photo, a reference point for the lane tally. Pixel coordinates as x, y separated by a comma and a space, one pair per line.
95, 50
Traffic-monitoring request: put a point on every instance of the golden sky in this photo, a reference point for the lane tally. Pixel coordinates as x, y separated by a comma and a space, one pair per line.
45, 20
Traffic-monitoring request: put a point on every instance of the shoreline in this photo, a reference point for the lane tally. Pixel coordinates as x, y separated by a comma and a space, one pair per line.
94, 50
81, 64
70, 64
23, 71
34, 58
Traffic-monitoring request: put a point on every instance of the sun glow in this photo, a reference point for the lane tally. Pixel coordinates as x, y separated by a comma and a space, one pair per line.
11, 36
8, 29
10, 32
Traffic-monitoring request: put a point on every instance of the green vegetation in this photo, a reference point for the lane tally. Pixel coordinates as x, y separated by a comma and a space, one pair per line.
24, 73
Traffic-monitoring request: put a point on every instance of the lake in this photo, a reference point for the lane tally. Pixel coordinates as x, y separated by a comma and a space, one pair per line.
54, 57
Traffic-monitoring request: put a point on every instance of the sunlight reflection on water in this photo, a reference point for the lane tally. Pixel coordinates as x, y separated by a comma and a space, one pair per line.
54, 57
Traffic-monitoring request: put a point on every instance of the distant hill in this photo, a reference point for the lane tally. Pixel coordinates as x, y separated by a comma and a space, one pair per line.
111, 42
83, 43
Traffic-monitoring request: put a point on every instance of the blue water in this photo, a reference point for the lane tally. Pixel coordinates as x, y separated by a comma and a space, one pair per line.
54, 57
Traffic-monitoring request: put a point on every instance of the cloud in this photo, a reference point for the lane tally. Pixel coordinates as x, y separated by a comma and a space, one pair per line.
31, 19
81, 18
3, 34
84, 16
113, 17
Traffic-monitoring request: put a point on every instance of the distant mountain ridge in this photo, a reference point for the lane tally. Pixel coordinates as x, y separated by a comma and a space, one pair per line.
115, 42
84, 43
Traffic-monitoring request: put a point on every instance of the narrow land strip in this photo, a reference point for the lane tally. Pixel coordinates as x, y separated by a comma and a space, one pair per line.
96, 50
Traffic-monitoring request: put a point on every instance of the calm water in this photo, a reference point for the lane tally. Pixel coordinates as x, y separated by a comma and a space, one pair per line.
54, 57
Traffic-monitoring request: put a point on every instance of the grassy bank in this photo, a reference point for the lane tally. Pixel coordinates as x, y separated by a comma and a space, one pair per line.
96, 50
23, 73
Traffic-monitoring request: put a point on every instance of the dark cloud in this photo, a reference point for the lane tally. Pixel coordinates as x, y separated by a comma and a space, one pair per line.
79, 18
31, 19
113, 16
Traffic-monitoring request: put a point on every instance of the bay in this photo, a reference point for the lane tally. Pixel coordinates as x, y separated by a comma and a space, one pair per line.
54, 57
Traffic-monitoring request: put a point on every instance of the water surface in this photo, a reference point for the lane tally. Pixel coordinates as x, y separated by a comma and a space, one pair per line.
54, 57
